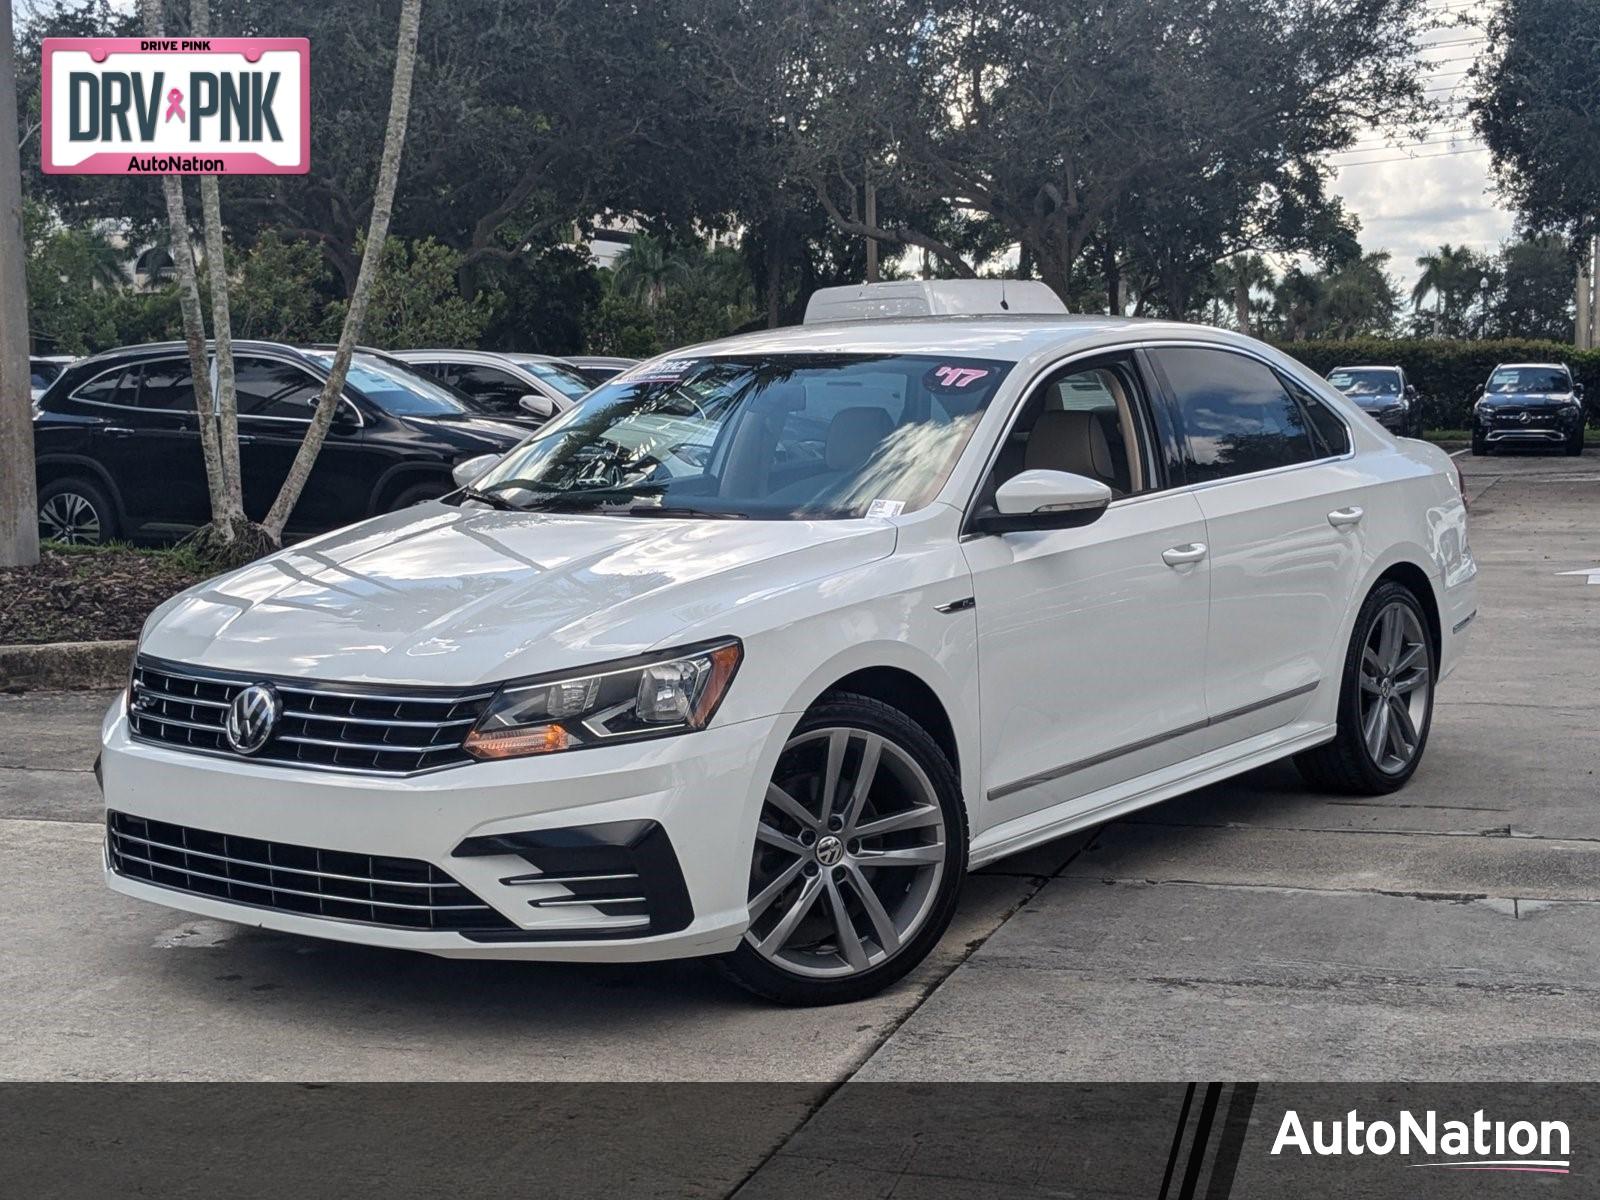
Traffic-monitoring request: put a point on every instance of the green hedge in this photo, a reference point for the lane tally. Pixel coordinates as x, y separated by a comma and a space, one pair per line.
1446, 372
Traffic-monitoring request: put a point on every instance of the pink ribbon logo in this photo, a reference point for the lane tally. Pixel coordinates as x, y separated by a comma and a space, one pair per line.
175, 105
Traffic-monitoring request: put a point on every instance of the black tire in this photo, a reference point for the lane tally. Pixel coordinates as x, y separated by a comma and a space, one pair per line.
1345, 765
1574, 445
75, 502
1479, 447
419, 493
753, 971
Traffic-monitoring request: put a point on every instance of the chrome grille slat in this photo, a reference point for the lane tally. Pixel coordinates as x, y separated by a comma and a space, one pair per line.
341, 728
393, 892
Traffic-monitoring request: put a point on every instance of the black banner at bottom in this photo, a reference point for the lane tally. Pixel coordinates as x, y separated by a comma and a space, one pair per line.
907, 1141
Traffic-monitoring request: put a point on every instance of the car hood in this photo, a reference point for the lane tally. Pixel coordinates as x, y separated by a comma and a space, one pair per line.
491, 431
1393, 400
444, 595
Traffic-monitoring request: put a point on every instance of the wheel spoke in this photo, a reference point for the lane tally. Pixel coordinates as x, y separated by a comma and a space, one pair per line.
1405, 730
774, 837
882, 924
1389, 638
784, 929
763, 899
912, 818
1376, 730
906, 856
871, 751
850, 947
791, 808
1370, 663
837, 742
1370, 685
1409, 658
1412, 681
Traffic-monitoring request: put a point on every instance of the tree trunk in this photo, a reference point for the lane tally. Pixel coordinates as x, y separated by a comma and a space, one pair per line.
1056, 273
1113, 277
1241, 294
227, 402
405, 61
774, 277
19, 503
194, 331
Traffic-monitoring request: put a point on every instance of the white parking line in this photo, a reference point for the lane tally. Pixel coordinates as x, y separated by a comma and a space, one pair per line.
1460, 452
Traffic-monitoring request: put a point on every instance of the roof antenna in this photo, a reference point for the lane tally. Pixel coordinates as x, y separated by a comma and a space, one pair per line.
1003, 303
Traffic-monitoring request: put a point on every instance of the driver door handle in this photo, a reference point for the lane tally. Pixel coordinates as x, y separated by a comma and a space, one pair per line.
117, 431
1340, 518
1180, 555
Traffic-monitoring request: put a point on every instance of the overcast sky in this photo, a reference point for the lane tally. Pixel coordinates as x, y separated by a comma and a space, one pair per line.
1410, 198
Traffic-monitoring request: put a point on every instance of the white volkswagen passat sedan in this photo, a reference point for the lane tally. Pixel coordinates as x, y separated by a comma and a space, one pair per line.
757, 650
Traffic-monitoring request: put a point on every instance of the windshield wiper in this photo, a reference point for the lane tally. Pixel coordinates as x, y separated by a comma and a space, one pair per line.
490, 498
664, 510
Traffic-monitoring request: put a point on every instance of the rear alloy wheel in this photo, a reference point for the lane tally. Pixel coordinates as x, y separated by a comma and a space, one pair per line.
75, 512
1385, 703
859, 855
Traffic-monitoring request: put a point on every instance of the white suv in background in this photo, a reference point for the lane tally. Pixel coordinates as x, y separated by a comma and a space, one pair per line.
758, 649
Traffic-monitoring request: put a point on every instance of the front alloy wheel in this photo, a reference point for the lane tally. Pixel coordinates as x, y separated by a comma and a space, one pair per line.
859, 853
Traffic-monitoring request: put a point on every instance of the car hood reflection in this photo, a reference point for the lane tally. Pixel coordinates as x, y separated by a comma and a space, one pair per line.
451, 596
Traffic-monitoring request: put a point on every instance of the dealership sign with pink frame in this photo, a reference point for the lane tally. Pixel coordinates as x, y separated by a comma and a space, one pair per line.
185, 106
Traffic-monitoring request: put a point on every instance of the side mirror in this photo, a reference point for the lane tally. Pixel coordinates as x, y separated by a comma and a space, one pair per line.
1044, 500
539, 406
1411, 391
345, 417
470, 470
1577, 390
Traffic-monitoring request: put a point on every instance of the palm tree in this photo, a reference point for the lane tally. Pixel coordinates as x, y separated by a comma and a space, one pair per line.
646, 268
1241, 275
1454, 276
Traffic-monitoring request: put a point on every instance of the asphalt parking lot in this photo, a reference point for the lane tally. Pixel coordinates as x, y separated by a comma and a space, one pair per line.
1252, 930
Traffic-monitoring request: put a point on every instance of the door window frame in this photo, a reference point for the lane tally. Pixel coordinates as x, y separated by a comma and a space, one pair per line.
1152, 431
344, 398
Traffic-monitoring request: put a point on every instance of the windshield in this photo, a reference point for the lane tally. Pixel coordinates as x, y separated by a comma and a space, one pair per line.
1529, 379
769, 436
558, 375
1366, 381
397, 389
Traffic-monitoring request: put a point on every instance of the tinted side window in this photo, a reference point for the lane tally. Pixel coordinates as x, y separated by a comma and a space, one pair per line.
274, 389
1328, 431
117, 387
1235, 414
495, 390
168, 386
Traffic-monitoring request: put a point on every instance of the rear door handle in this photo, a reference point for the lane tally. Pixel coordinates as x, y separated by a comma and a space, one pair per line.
117, 431
1180, 555
1339, 518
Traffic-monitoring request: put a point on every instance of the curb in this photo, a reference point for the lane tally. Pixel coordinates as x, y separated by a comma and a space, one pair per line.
65, 666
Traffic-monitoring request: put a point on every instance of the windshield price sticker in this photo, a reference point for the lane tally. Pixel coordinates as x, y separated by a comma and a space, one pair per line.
670, 371
886, 508
176, 106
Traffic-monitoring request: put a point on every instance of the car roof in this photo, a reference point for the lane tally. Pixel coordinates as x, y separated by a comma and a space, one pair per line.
162, 349
1009, 339
1367, 367
471, 355
1543, 366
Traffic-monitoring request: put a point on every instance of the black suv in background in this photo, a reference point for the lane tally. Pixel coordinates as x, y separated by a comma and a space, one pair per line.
1528, 404
117, 443
1384, 394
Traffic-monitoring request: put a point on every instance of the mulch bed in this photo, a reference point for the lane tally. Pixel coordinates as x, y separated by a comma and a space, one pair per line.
88, 596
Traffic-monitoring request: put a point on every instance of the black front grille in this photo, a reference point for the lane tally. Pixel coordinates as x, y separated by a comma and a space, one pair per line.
337, 727
400, 893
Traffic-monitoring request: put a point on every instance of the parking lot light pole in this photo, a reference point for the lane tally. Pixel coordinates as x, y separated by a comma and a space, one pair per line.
19, 520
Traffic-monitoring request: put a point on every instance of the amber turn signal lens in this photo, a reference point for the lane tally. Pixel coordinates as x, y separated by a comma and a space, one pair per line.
516, 743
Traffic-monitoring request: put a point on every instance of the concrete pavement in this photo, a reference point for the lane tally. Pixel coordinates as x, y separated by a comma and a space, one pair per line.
1249, 930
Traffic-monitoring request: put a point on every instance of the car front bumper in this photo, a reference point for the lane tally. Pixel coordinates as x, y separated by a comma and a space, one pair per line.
1532, 427
621, 853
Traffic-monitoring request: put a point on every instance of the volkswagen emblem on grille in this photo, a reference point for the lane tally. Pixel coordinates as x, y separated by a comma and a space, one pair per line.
252, 717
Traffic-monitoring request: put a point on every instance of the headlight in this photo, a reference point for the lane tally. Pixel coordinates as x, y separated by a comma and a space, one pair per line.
648, 697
